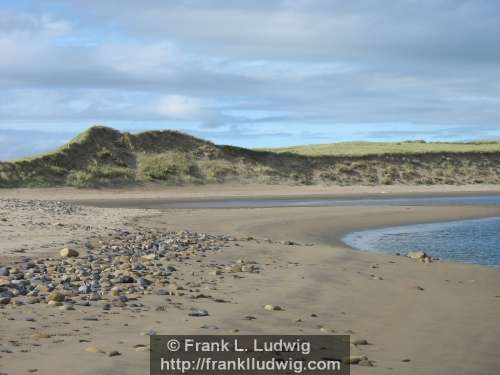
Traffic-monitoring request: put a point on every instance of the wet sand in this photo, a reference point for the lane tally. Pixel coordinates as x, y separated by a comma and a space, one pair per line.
437, 318
228, 191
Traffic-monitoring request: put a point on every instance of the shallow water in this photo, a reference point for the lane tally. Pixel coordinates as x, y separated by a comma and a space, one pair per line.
326, 202
475, 241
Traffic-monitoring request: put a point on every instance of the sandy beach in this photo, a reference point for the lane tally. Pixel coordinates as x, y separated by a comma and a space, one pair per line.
418, 318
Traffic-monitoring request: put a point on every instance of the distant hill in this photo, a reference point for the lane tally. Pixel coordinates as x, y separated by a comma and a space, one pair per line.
102, 156
379, 148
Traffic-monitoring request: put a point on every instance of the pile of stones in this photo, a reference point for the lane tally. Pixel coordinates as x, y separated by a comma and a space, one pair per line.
120, 264
48, 207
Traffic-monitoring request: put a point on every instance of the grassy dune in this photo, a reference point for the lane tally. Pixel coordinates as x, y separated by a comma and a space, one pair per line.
103, 156
380, 148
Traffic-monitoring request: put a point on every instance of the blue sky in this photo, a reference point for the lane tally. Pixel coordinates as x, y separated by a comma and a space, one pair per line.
249, 73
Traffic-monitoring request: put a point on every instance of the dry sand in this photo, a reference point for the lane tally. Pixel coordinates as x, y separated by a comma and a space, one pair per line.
449, 327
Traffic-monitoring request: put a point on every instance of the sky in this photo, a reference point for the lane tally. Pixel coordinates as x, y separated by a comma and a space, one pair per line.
249, 73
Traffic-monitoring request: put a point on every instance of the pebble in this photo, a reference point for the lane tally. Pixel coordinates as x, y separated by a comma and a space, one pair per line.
114, 353
420, 256
365, 362
4, 300
355, 359
90, 318
93, 349
273, 308
4, 271
68, 253
360, 342
40, 335
56, 296
124, 262
198, 312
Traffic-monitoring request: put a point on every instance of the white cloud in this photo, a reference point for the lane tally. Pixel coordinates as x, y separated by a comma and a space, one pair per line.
181, 107
154, 59
25, 26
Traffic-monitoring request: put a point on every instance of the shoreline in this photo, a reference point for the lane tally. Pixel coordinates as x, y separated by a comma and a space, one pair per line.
364, 238
312, 224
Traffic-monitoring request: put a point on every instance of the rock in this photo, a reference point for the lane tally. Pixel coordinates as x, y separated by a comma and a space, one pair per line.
118, 303
106, 306
354, 359
420, 256
249, 268
40, 335
6, 294
114, 353
4, 271
143, 282
84, 289
215, 272
360, 342
175, 287
365, 362
56, 296
33, 300
68, 253
198, 312
416, 254
93, 349
90, 318
234, 268
161, 292
127, 279
273, 308
4, 300
148, 257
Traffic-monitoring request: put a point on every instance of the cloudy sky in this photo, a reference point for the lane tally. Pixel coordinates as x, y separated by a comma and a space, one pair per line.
251, 73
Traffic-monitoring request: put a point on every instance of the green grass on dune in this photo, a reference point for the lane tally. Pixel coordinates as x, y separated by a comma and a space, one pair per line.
379, 148
102, 157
